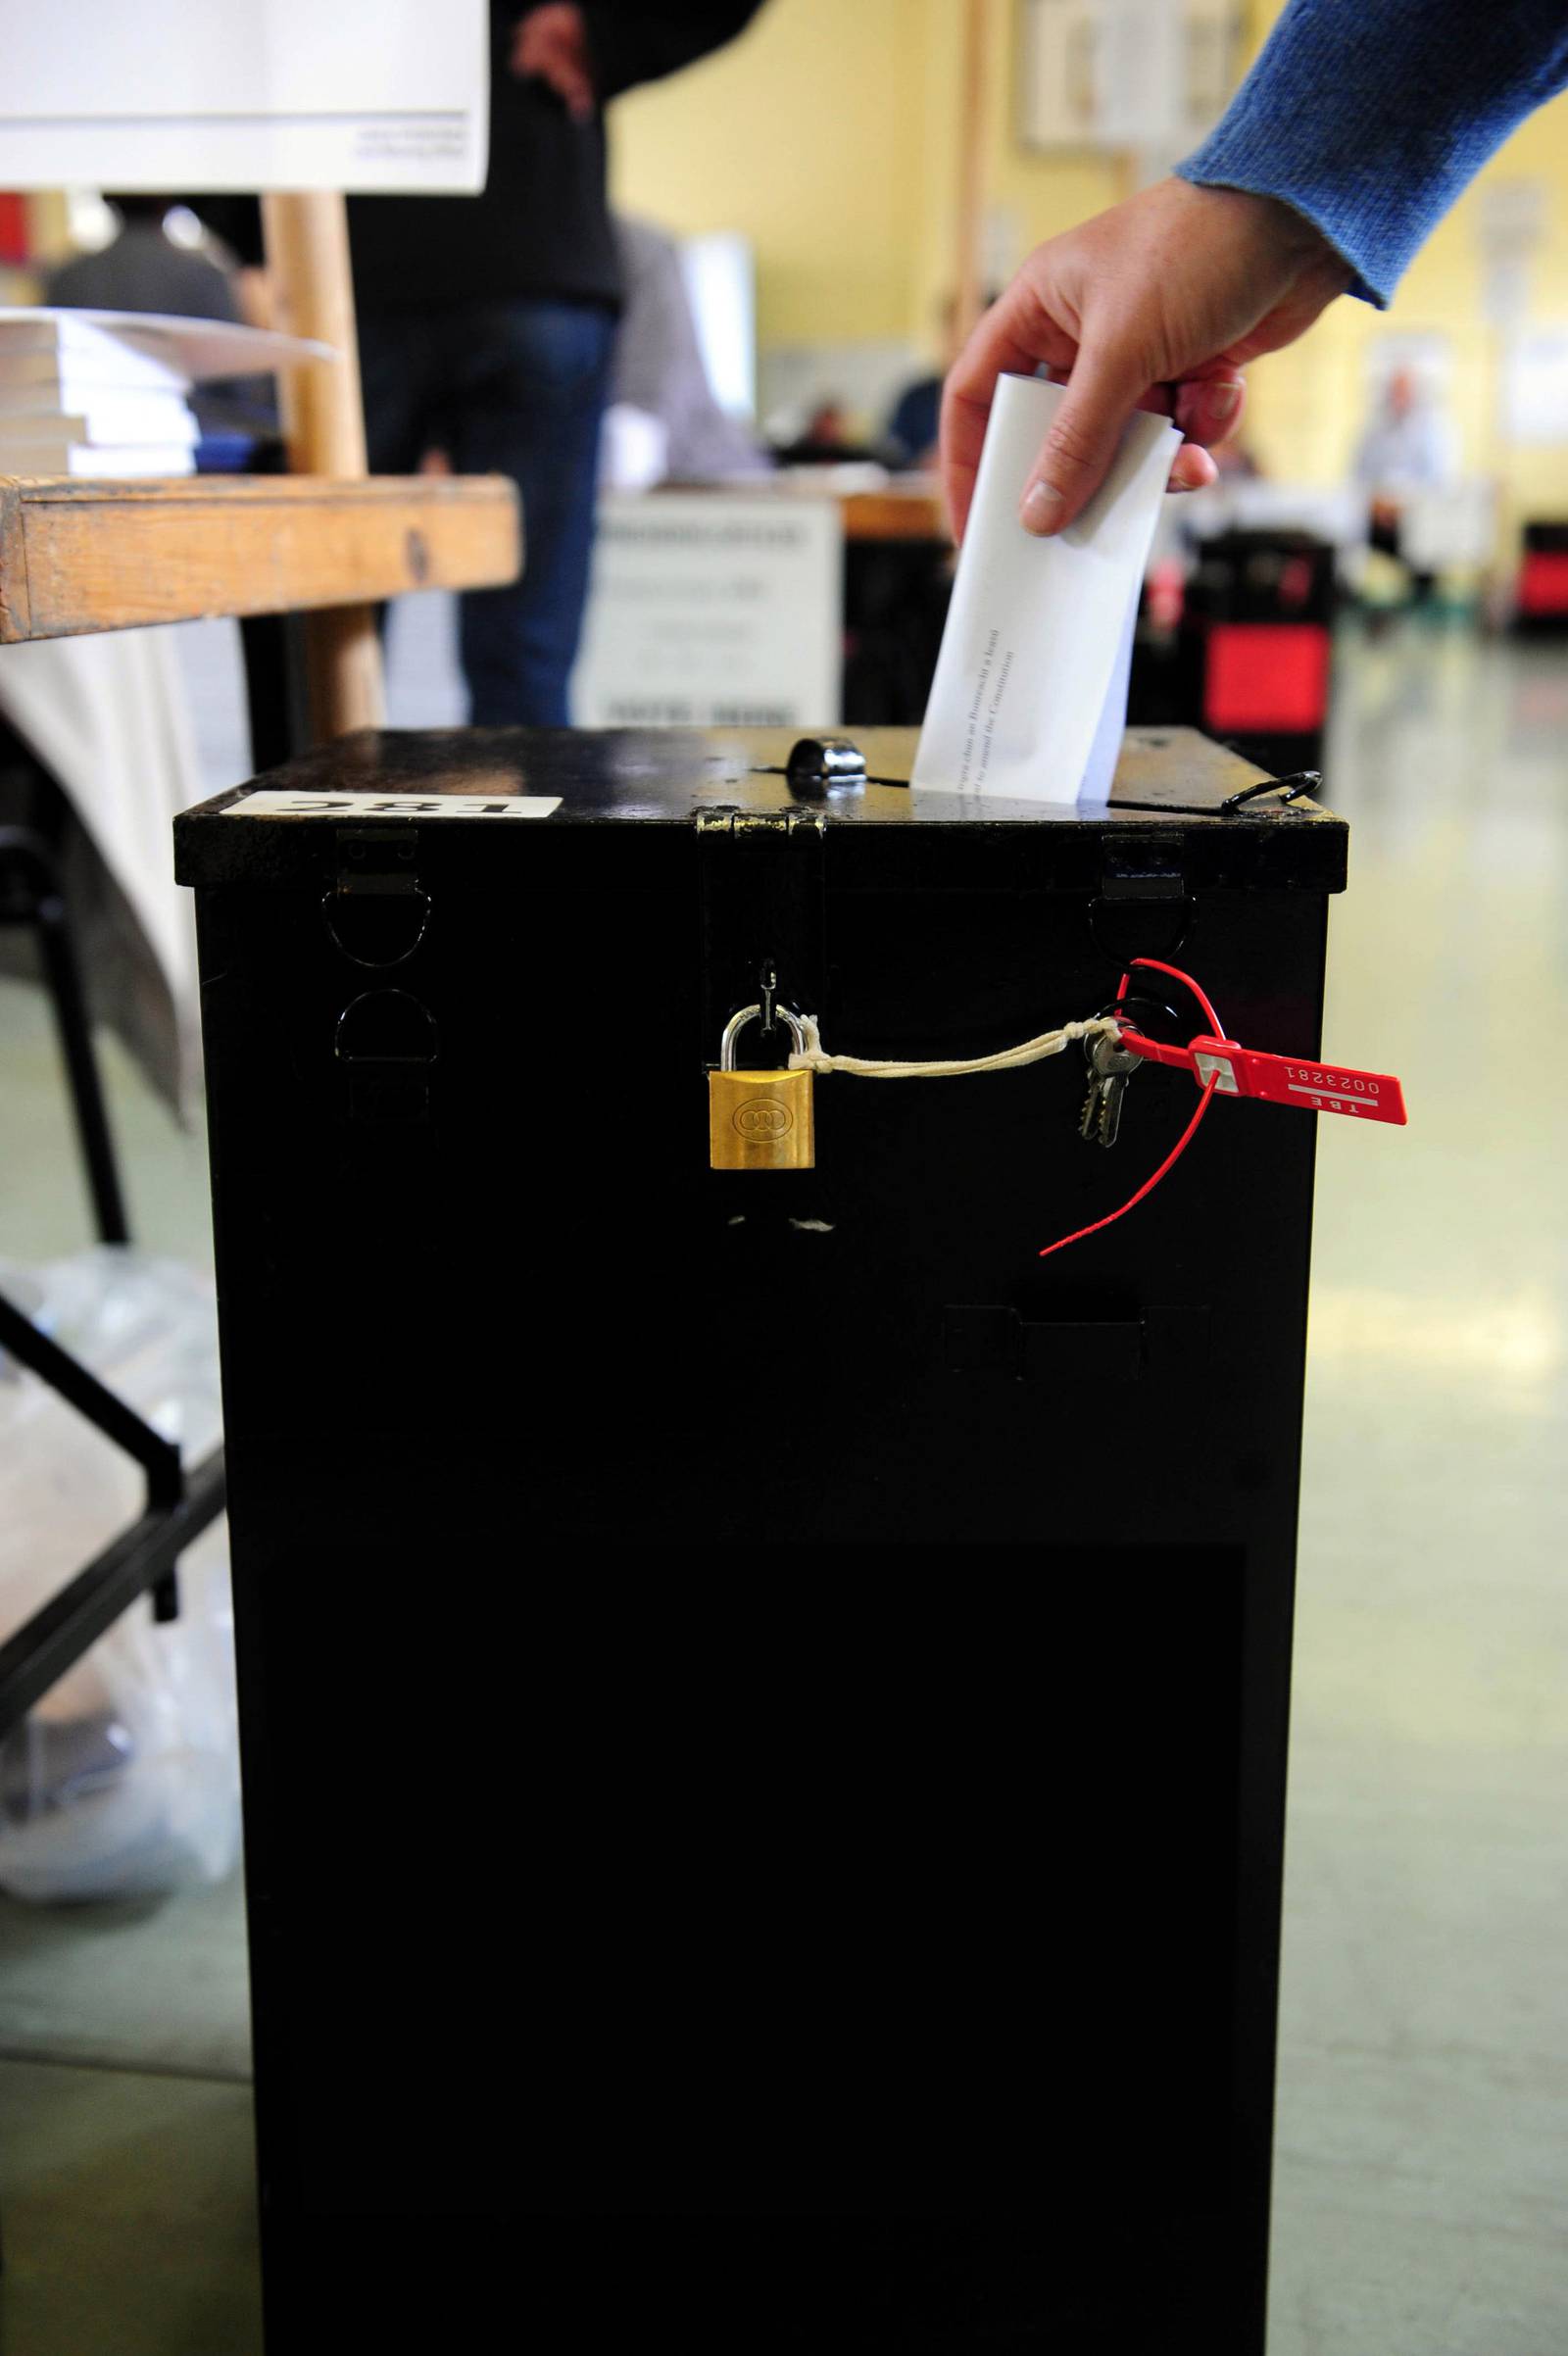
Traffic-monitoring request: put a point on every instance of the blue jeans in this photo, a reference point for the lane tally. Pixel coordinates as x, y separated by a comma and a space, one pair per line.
518, 389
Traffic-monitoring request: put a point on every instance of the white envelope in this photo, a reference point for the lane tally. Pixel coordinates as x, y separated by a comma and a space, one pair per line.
1030, 694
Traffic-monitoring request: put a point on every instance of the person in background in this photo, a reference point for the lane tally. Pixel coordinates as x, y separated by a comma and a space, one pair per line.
1408, 447
914, 424
1361, 123
1408, 444
142, 268
914, 427
488, 322
831, 435
827, 429
659, 377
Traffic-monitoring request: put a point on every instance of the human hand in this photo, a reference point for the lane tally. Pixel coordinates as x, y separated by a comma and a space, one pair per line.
256, 295
551, 45
1153, 305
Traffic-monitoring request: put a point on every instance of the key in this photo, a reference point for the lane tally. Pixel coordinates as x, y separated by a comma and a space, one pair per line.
1089, 1119
1109, 1068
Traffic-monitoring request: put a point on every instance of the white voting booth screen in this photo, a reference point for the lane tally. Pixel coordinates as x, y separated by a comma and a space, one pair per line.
711, 612
359, 94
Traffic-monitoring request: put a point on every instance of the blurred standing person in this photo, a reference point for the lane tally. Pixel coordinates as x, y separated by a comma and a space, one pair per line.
1406, 447
914, 427
1408, 444
661, 377
142, 268
487, 323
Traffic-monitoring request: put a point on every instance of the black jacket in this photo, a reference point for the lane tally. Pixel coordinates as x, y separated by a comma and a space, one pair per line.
542, 226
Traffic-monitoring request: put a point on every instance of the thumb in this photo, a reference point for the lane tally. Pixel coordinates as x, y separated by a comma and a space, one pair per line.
1101, 393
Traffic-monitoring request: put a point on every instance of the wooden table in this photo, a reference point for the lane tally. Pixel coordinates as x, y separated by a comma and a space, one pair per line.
906, 508
894, 514
79, 557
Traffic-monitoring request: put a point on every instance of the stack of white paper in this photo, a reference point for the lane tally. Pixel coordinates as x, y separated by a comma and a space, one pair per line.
76, 400
108, 392
1030, 694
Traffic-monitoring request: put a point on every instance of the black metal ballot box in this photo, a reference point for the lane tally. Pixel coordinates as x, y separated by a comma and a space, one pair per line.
763, 1699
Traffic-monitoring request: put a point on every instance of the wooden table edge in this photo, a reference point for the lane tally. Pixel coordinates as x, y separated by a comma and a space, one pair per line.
42, 521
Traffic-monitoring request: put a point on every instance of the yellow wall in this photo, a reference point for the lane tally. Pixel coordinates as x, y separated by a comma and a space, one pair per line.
1037, 194
828, 135
797, 136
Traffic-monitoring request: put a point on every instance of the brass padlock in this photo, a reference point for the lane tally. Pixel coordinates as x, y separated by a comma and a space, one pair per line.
759, 1120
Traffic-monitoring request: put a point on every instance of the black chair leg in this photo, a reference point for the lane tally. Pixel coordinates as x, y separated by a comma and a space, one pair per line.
272, 646
38, 898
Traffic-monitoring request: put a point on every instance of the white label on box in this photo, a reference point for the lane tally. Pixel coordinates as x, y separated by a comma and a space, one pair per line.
392, 806
713, 611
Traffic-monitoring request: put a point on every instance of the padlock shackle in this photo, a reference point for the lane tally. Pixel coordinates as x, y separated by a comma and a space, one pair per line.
738, 1022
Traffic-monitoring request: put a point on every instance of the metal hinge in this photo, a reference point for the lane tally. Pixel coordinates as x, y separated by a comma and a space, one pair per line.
376, 859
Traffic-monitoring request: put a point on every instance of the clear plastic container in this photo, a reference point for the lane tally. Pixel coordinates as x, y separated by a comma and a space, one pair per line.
124, 1780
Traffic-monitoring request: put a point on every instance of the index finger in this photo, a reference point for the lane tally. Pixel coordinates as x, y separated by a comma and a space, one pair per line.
1012, 337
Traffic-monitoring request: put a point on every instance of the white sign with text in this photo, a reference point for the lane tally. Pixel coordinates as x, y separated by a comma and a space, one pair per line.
713, 611
364, 94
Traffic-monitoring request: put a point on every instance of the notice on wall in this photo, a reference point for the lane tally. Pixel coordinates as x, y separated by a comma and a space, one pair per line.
1153, 75
1536, 387
1511, 219
363, 94
713, 611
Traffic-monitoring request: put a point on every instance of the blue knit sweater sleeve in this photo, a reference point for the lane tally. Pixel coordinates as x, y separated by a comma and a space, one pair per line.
1370, 116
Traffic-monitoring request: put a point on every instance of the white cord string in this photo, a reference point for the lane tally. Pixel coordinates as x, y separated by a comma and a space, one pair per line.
813, 1056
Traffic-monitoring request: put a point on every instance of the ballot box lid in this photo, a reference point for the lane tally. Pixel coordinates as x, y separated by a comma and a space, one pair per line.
482, 798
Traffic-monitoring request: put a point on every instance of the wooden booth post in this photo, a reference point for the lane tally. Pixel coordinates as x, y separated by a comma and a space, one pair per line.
323, 423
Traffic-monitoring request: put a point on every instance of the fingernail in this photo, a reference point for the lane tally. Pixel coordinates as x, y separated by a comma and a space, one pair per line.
1224, 401
1039, 508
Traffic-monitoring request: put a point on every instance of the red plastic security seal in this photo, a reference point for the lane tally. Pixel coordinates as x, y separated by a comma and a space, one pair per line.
1242, 1071
1223, 1068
